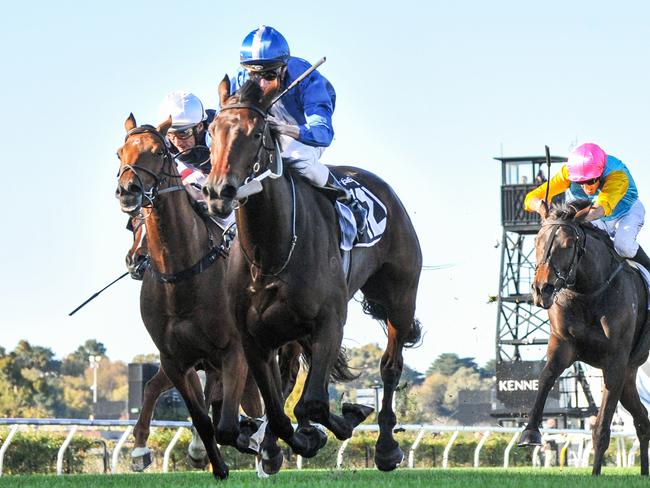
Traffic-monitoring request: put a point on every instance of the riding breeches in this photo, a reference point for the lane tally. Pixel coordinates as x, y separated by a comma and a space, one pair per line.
625, 229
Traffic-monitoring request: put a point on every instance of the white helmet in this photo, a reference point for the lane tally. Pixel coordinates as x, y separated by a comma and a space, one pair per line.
185, 108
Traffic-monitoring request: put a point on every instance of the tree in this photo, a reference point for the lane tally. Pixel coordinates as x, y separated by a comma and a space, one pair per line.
146, 358
76, 363
448, 363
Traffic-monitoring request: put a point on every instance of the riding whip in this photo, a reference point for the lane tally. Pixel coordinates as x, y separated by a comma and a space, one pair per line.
548, 179
97, 294
298, 80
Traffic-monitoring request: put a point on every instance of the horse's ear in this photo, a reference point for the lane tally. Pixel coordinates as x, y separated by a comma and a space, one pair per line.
543, 210
129, 123
582, 214
164, 127
224, 90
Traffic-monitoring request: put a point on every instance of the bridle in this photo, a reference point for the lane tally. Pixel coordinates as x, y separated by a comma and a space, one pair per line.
159, 178
214, 252
568, 278
252, 184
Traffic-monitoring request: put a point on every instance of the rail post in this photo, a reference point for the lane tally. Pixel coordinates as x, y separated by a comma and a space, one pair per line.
5, 445
479, 446
445, 454
118, 448
339, 454
168, 451
415, 445
506, 453
299, 461
63, 448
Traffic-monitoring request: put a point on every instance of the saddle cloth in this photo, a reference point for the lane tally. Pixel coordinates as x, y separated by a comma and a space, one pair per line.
644, 274
376, 219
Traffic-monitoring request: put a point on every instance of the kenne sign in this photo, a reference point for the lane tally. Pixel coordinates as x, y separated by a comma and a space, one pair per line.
517, 383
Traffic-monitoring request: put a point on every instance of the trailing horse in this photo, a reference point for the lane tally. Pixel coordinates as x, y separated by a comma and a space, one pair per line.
597, 305
286, 280
182, 299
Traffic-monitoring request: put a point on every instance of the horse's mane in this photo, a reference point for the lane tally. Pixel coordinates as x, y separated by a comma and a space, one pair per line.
250, 92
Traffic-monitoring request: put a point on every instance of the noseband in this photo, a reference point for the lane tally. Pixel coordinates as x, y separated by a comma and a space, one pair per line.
151, 194
567, 279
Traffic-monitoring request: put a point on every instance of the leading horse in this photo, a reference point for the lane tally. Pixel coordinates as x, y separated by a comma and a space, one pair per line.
286, 280
597, 306
182, 299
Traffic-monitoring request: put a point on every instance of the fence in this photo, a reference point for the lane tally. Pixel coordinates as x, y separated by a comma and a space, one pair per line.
575, 443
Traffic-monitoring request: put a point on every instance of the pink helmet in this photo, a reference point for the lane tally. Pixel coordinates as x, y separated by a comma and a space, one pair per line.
586, 162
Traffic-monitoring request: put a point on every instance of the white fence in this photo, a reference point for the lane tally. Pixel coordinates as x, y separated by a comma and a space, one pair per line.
575, 449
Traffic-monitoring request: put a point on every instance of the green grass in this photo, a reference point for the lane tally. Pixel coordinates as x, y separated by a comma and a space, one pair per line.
404, 478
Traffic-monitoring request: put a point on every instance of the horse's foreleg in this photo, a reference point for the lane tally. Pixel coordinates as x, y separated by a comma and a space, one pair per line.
234, 371
560, 356
632, 403
141, 455
614, 378
185, 384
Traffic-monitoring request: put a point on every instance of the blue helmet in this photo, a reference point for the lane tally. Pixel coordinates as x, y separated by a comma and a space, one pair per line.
264, 48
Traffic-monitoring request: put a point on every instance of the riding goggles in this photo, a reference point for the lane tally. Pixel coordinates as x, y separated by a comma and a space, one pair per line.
268, 75
589, 182
182, 133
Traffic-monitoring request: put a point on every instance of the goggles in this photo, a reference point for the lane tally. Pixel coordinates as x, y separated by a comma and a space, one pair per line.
183, 133
268, 75
589, 182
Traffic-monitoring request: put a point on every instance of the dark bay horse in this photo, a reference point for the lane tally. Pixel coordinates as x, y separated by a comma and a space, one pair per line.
183, 299
597, 308
286, 280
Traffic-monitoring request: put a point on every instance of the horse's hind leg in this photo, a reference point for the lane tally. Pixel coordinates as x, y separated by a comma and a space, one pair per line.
632, 403
196, 406
141, 455
614, 376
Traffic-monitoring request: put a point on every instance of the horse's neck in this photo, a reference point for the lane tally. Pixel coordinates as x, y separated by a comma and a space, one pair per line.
265, 224
176, 236
595, 267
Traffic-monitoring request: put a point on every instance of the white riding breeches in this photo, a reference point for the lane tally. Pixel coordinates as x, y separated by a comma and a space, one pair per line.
624, 230
305, 158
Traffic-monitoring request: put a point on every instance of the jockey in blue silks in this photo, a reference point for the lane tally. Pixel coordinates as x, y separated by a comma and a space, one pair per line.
302, 118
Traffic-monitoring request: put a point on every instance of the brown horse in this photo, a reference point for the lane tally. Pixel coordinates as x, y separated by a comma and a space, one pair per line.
286, 280
183, 300
597, 307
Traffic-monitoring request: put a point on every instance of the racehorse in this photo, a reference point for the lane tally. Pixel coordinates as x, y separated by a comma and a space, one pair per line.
286, 280
597, 306
182, 299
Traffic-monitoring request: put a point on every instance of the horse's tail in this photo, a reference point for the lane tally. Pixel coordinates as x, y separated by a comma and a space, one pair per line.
340, 372
378, 312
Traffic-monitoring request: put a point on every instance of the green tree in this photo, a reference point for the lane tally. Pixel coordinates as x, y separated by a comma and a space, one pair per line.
146, 358
448, 363
76, 363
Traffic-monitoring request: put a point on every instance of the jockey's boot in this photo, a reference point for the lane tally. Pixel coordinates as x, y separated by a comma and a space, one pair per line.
137, 258
642, 258
346, 197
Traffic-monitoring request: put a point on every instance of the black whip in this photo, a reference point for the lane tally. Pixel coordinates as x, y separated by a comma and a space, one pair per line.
96, 294
548, 179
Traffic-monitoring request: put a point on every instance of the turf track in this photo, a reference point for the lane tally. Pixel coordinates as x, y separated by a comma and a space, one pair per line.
458, 477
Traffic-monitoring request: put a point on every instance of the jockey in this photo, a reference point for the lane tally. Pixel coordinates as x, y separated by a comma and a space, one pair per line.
189, 144
591, 174
302, 118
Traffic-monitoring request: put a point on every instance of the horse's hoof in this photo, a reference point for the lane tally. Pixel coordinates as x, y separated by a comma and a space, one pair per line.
272, 462
221, 473
530, 438
316, 440
388, 461
141, 459
355, 413
199, 463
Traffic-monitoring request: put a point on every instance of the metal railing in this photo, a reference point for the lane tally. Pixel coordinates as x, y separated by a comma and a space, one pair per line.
581, 439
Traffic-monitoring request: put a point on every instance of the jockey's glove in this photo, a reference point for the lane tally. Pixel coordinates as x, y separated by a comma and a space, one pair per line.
280, 127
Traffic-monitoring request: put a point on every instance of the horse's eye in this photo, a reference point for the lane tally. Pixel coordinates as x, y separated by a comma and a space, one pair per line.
159, 153
258, 134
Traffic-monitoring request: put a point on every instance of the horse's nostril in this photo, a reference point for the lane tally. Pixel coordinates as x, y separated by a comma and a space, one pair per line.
548, 289
228, 192
133, 188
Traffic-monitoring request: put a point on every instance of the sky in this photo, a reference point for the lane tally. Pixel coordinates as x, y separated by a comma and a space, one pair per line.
428, 93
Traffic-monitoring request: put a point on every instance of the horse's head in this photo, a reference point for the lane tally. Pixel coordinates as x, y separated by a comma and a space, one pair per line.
145, 162
559, 245
242, 145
